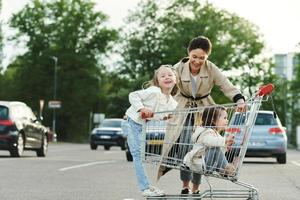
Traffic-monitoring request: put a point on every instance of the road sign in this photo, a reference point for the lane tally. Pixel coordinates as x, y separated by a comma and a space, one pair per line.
54, 104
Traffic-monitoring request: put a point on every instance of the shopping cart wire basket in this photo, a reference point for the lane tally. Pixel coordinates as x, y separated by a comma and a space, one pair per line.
192, 139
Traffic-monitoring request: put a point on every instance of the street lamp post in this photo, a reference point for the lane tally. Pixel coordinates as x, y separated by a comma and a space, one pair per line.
54, 93
55, 59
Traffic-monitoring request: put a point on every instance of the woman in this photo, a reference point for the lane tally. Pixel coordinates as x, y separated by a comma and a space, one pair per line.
196, 76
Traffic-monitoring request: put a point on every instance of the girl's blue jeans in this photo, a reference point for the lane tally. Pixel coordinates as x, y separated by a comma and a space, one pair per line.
134, 143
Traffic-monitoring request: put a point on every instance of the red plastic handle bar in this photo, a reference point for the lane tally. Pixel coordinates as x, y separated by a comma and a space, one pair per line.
266, 89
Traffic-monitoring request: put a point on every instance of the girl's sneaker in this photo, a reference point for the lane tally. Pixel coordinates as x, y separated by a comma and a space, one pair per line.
158, 191
229, 170
149, 193
153, 192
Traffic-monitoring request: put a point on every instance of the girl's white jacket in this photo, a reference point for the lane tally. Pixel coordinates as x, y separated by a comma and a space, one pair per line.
202, 139
151, 98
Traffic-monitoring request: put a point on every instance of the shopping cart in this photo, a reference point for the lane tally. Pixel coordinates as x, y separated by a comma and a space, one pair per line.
178, 140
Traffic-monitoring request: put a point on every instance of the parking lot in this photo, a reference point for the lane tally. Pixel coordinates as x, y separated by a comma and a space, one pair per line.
73, 172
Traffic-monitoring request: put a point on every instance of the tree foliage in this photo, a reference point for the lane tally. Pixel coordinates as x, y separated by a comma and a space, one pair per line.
156, 32
159, 34
76, 35
1, 41
294, 108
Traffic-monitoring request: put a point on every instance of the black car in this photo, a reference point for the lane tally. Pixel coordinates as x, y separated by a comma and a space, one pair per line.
21, 130
108, 134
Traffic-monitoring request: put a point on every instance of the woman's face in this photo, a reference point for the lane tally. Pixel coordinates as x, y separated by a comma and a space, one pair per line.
197, 58
222, 121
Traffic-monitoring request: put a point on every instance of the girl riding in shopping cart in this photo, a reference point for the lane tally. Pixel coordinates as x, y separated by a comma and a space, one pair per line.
208, 152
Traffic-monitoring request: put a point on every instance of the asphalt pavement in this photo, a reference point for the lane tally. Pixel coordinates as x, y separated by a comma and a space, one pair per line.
74, 172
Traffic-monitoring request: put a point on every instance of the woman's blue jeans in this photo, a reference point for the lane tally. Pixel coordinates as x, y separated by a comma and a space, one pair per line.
134, 143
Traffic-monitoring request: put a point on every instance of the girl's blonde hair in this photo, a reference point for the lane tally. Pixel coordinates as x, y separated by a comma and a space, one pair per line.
154, 81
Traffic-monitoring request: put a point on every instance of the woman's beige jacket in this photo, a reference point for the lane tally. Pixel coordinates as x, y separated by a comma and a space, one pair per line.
209, 76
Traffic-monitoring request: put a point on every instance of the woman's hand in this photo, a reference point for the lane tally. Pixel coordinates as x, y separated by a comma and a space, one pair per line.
241, 106
146, 113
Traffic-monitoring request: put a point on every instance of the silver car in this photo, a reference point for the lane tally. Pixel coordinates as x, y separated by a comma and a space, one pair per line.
268, 138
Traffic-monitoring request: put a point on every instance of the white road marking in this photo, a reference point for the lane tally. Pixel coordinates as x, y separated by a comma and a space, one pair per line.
296, 163
110, 152
85, 165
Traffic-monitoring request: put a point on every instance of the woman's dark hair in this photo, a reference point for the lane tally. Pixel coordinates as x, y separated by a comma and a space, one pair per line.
210, 115
200, 42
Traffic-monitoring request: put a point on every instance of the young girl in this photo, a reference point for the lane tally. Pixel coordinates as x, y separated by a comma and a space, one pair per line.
208, 153
144, 103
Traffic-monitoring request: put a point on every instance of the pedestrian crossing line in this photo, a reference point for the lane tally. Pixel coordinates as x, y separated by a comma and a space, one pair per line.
296, 163
85, 165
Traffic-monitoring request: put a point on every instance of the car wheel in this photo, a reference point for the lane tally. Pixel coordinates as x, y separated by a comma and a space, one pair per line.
17, 151
281, 158
42, 151
123, 147
106, 147
129, 156
93, 146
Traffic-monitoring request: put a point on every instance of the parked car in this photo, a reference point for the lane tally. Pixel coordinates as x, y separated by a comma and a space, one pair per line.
155, 134
268, 138
21, 130
108, 134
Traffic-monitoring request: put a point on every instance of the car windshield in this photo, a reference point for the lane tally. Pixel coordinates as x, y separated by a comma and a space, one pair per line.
3, 113
262, 119
111, 123
265, 119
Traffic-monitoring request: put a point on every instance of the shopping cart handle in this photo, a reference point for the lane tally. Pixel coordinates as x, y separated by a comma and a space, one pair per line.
265, 90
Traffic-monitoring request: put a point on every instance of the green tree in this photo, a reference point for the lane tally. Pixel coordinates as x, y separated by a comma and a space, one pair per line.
76, 35
1, 54
295, 102
159, 34
1, 41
